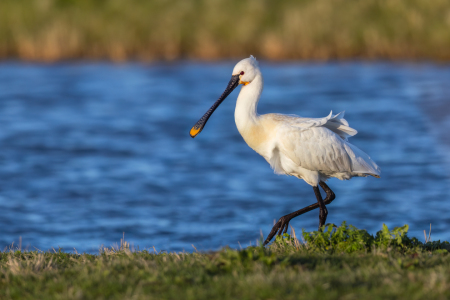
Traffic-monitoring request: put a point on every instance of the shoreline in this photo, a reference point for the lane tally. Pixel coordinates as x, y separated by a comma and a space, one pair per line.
345, 262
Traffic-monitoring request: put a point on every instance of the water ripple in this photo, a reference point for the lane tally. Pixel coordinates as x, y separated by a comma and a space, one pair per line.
91, 150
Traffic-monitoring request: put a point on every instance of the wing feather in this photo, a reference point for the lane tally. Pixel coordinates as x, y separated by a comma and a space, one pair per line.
316, 149
321, 145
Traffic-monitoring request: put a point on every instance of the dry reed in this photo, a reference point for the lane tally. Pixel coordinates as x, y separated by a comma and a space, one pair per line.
49, 30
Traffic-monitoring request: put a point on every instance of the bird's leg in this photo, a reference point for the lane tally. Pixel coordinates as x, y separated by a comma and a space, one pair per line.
323, 209
330, 195
283, 222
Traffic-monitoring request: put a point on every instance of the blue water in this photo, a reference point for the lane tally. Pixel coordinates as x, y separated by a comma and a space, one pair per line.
91, 150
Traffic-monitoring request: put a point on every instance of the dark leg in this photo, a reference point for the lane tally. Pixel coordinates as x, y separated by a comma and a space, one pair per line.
283, 222
323, 209
330, 195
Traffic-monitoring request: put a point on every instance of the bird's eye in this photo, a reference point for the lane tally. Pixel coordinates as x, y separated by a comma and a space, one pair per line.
242, 72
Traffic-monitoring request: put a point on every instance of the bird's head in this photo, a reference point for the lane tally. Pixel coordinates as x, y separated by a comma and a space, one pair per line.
246, 69
244, 73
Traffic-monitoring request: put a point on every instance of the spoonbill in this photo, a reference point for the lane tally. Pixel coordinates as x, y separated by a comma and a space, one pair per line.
312, 149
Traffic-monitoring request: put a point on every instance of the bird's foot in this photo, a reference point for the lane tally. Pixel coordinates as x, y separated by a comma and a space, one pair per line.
281, 227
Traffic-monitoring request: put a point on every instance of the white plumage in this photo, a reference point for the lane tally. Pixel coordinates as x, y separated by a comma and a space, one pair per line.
312, 149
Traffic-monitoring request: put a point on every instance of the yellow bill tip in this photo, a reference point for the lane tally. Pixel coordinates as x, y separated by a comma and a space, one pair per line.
194, 132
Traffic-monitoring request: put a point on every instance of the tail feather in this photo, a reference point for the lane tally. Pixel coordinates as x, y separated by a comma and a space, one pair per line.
361, 162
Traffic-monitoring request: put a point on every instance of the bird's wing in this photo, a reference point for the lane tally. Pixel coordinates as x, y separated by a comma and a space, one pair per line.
321, 145
315, 148
335, 123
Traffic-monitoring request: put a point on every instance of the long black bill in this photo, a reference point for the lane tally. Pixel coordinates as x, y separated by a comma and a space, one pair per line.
198, 127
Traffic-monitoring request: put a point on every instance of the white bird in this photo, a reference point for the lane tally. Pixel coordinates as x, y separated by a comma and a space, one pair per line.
312, 149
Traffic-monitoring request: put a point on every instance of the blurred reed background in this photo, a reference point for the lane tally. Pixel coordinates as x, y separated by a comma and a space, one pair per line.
49, 30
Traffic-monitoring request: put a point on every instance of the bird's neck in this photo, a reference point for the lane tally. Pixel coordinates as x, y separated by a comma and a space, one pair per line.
246, 115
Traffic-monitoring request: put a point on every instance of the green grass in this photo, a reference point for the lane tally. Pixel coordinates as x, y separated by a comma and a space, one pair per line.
210, 29
342, 262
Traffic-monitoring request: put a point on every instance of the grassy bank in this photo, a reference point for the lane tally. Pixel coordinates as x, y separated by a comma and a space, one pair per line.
346, 263
209, 29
